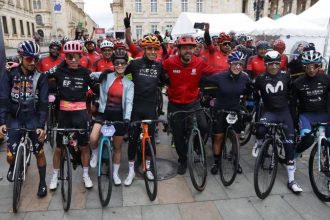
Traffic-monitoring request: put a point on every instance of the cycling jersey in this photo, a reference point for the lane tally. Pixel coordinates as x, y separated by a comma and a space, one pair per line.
102, 64
284, 63
216, 58
256, 66
184, 78
89, 59
274, 91
48, 62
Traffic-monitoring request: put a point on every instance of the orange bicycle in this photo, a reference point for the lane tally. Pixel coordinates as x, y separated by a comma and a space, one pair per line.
149, 165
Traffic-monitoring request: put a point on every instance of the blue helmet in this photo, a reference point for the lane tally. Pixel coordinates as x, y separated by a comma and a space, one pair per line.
28, 49
311, 56
262, 45
236, 56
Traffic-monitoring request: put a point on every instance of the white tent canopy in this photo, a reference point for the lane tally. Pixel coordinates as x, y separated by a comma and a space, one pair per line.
319, 13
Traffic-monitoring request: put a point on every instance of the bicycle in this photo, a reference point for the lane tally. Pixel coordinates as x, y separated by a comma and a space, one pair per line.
105, 163
51, 121
267, 161
22, 161
319, 163
70, 158
146, 150
197, 164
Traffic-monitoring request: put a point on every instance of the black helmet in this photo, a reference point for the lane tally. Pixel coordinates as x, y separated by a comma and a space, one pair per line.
119, 54
272, 56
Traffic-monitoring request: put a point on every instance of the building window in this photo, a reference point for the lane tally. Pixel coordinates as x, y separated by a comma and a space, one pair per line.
287, 7
36, 4
13, 22
28, 28
244, 6
153, 6
169, 27
168, 5
33, 30
153, 28
138, 30
199, 6
39, 19
4, 24
301, 6
138, 6
184, 5
21, 26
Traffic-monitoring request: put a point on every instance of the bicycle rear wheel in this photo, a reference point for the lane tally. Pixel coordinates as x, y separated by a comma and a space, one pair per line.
66, 178
105, 174
151, 184
247, 129
18, 178
319, 171
197, 161
265, 169
228, 163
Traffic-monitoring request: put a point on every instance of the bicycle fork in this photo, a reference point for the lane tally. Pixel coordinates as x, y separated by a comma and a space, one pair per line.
321, 136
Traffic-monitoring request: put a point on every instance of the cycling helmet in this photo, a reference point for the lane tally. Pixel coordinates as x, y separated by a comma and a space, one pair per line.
119, 45
272, 56
28, 49
119, 54
242, 37
310, 46
249, 38
73, 46
279, 45
55, 43
311, 56
150, 41
262, 45
236, 56
89, 40
200, 40
186, 40
106, 44
223, 37
64, 40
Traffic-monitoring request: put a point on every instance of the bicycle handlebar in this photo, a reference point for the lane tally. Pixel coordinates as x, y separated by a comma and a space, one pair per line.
172, 114
148, 121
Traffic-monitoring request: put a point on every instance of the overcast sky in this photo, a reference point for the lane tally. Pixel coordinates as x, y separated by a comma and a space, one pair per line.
100, 12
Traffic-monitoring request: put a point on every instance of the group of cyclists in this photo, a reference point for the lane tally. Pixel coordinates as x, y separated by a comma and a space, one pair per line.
126, 77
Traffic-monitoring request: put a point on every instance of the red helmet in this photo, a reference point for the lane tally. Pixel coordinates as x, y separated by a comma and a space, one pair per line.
223, 37
279, 45
186, 40
119, 45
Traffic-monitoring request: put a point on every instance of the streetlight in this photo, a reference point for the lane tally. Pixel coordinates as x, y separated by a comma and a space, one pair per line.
258, 5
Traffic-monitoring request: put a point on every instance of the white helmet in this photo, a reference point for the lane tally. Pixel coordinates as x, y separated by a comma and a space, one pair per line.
106, 44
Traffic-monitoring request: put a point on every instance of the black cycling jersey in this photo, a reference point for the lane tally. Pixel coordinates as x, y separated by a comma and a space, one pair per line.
146, 76
312, 93
274, 90
72, 83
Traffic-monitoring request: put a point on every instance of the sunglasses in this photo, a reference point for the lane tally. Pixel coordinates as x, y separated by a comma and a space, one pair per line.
152, 48
237, 64
226, 44
107, 50
272, 63
31, 59
55, 48
70, 56
117, 63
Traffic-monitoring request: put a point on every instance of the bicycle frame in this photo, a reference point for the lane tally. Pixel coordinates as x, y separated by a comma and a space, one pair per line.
144, 137
320, 135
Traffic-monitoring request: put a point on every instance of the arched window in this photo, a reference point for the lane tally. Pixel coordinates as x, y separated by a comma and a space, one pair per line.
39, 20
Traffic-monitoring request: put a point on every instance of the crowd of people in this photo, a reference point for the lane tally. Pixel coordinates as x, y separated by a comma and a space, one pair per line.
126, 75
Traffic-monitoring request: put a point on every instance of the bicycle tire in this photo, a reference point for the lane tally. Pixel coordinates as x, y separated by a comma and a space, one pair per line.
248, 133
230, 155
196, 155
105, 163
151, 185
260, 165
18, 179
66, 178
313, 167
281, 153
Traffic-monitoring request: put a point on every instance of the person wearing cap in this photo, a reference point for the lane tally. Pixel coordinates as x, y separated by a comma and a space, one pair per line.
91, 56
184, 72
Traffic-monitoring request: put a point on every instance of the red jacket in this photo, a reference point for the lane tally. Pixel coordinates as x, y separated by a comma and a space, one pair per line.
46, 63
103, 64
89, 59
184, 79
216, 58
256, 66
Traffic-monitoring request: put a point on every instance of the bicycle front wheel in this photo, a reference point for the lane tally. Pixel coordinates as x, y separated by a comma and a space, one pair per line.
319, 171
150, 174
66, 178
105, 174
265, 169
18, 178
197, 160
228, 163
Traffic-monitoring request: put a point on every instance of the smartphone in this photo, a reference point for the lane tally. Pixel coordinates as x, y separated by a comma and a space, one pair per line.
198, 25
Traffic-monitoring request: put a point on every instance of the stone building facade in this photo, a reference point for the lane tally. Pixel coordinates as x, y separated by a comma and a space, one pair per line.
151, 15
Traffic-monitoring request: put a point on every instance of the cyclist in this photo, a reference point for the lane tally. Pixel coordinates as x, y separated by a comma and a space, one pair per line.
199, 49
228, 99
274, 87
310, 94
184, 71
250, 45
295, 66
279, 46
72, 82
105, 62
91, 56
98, 44
146, 75
256, 65
115, 104
23, 101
